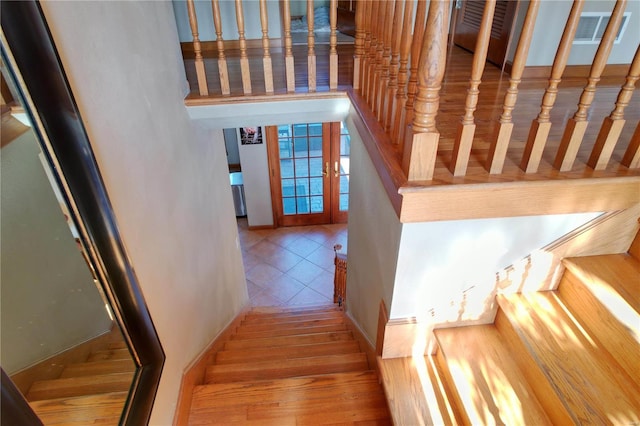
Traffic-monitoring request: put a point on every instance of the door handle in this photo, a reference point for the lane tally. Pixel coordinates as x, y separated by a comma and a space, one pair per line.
336, 169
325, 173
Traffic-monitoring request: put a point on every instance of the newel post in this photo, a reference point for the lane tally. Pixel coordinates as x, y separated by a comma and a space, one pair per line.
421, 141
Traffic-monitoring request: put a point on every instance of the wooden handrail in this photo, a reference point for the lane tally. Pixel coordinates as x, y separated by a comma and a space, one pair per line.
541, 126
197, 50
222, 60
467, 127
266, 60
244, 59
577, 125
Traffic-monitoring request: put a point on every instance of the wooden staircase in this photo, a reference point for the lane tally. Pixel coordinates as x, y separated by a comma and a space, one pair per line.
569, 356
90, 392
290, 366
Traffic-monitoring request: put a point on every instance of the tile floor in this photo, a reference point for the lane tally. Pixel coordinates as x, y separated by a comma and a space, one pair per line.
290, 266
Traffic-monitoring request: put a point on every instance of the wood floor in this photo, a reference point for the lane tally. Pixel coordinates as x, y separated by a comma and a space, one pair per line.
568, 356
290, 366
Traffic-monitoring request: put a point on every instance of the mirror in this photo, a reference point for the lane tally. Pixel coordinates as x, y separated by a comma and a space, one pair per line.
57, 130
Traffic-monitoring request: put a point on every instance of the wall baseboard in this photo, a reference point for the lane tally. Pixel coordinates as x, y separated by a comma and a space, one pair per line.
194, 373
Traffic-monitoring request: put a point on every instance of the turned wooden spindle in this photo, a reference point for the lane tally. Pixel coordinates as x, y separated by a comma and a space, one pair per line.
197, 50
383, 59
380, 50
266, 59
504, 126
577, 125
613, 124
358, 45
367, 12
631, 158
416, 45
373, 47
421, 145
403, 74
288, 49
392, 85
541, 126
244, 59
222, 60
333, 42
311, 51
467, 127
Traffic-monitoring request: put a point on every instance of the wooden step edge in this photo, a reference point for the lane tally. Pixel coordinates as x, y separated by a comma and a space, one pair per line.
289, 325
529, 365
287, 340
103, 409
79, 386
277, 332
485, 378
259, 310
109, 354
290, 319
613, 331
443, 393
287, 352
94, 368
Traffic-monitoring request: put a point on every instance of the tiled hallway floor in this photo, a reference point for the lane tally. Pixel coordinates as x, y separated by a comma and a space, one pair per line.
290, 266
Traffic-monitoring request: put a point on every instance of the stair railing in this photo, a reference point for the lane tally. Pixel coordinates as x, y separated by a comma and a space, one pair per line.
340, 276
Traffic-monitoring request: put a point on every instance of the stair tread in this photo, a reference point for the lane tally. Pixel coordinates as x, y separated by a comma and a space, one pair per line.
253, 327
293, 367
291, 319
110, 354
591, 387
288, 389
81, 410
93, 368
299, 339
487, 379
287, 352
268, 310
282, 331
609, 274
79, 386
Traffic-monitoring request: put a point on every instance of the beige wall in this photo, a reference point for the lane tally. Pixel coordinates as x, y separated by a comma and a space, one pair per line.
167, 179
374, 240
49, 300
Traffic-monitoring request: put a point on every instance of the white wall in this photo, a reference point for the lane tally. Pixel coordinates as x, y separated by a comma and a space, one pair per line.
206, 29
374, 240
552, 17
439, 261
49, 300
167, 178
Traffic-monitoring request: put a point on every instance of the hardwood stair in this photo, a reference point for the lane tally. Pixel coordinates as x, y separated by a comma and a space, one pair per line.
290, 366
89, 392
568, 356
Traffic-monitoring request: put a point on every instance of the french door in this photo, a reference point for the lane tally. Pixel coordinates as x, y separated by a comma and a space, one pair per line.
309, 173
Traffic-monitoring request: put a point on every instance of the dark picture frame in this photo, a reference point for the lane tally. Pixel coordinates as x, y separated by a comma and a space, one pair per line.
251, 135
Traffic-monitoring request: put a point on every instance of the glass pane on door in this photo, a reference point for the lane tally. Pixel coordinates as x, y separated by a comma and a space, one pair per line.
345, 151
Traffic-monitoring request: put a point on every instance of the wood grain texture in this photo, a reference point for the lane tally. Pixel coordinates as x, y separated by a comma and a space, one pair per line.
82, 410
631, 157
634, 247
79, 386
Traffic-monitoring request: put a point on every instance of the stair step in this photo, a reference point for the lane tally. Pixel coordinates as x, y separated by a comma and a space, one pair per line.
604, 313
213, 396
540, 332
487, 380
291, 319
331, 409
259, 326
112, 354
81, 410
300, 339
294, 367
280, 331
95, 368
275, 310
120, 344
287, 352
79, 386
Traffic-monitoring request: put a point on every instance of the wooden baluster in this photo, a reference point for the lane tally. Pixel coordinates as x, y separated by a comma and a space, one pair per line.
340, 276
392, 86
244, 59
381, 97
333, 50
631, 158
381, 56
222, 60
371, 63
540, 126
403, 74
266, 59
577, 125
504, 127
364, 71
421, 146
416, 45
288, 50
197, 50
467, 127
311, 53
613, 124
358, 45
